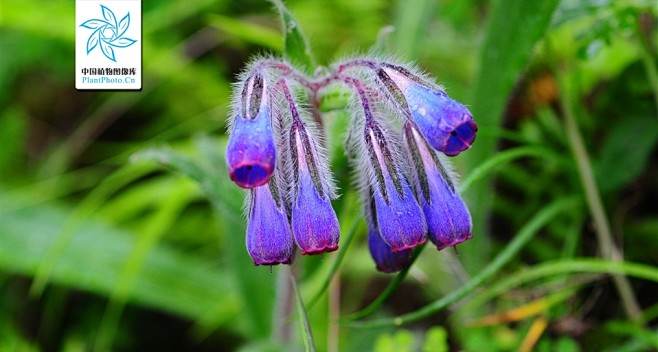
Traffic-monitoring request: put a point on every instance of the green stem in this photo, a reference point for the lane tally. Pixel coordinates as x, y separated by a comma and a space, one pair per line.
336, 264
392, 286
604, 235
306, 332
561, 267
504, 257
476, 175
486, 168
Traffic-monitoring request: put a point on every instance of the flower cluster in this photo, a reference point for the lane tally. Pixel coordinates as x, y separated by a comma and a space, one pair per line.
401, 125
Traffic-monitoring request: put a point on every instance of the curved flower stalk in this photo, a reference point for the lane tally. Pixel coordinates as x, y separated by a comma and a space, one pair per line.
251, 153
314, 222
446, 124
448, 220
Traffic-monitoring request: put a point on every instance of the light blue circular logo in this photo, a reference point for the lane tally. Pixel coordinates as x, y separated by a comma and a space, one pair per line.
108, 33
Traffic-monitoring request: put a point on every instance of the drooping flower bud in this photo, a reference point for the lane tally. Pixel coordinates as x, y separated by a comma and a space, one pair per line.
314, 222
448, 219
385, 259
251, 153
447, 125
399, 217
269, 237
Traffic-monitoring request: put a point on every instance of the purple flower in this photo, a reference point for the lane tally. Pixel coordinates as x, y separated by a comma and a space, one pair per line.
447, 124
385, 259
275, 151
448, 219
269, 238
314, 221
399, 217
251, 154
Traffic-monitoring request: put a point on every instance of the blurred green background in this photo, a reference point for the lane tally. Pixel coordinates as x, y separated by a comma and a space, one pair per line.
120, 230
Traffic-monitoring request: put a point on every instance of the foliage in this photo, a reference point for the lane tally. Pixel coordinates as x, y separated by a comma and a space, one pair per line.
120, 229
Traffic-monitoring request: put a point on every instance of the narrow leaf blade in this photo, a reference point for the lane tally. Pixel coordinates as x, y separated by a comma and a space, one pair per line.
296, 47
501, 62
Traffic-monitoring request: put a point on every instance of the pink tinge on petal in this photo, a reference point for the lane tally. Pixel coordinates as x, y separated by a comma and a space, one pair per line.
251, 175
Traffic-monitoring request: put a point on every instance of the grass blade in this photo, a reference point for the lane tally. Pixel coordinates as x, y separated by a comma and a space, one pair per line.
506, 255
307, 333
256, 284
170, 280
388, 291
501, 62
509, 155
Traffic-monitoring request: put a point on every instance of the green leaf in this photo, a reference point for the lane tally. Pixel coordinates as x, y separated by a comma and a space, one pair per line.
178, 196
626, 151
382, 45
525, 234
555, 269
169, 280
486, 168
297, 49
627, 328
412, 19
571, 10
514, 28
88, 206
256, 284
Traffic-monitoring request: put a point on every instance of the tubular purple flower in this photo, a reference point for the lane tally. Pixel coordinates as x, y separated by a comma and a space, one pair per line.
447, 125
448, 219
269, 237
251, 153
399, 218
314, 223
385, 259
